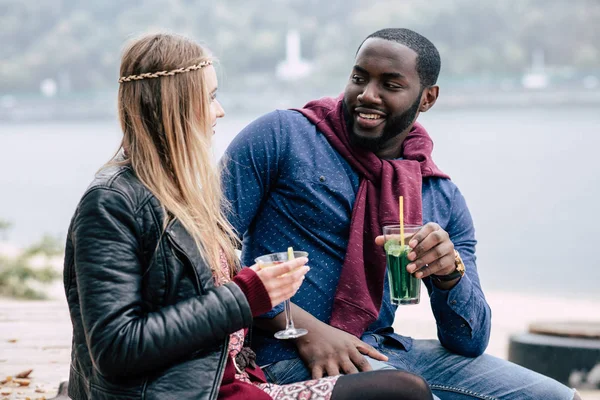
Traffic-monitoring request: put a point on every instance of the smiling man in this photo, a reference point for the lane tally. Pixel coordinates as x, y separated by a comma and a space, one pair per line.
325, 179
378, 120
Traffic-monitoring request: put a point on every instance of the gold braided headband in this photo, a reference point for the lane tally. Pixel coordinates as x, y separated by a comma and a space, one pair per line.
164, 73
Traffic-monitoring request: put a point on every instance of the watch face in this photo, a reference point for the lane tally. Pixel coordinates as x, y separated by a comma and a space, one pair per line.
460, 265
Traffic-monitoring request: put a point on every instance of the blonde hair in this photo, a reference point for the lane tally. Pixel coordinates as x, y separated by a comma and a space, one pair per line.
167, 135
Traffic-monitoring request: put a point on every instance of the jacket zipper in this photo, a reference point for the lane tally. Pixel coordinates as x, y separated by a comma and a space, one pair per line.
220, 370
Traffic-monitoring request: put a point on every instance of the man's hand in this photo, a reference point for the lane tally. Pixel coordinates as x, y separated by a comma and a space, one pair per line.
329, 351
433, 251
325, 350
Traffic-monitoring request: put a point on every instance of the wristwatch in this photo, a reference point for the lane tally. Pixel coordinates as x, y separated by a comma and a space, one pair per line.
457, 273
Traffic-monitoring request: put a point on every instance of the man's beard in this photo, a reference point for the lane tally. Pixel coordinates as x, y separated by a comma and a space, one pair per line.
393, 127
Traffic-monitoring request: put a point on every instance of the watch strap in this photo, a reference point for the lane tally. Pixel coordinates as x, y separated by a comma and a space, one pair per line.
457, 273
446, 278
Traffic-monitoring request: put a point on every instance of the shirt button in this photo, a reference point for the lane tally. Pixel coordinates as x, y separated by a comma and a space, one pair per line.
453, 302
322, 178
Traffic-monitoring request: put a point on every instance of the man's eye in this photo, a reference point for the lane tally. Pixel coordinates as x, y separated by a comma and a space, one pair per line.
357, 79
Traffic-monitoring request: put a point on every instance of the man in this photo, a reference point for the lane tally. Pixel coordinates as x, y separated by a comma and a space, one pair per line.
325, 179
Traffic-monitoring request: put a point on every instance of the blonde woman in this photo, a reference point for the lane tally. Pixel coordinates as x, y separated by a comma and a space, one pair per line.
158, 302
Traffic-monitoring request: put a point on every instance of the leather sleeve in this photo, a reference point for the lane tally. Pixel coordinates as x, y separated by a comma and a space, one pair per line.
122, 338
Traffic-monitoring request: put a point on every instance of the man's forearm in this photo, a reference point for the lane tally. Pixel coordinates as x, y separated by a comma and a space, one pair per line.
302, 319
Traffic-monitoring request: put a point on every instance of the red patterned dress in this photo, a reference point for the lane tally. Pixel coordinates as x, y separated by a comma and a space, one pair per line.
251, 381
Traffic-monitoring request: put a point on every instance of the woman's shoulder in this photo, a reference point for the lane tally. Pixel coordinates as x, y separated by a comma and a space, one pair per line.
118, 180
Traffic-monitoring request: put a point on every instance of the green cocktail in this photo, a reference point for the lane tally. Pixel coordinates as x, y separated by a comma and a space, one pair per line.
404, 287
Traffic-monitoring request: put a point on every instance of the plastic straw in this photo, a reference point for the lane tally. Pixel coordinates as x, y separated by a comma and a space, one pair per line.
401, 220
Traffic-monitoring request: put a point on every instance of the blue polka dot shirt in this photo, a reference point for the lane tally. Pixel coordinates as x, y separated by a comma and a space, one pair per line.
288, 187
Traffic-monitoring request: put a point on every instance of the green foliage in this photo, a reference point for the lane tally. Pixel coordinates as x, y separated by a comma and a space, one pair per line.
18, 278
48, 246
80, 42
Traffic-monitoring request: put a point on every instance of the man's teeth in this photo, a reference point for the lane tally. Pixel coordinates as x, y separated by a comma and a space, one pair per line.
369, 116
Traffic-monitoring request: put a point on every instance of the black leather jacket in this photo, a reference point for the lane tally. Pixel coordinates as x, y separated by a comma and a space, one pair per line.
148, 322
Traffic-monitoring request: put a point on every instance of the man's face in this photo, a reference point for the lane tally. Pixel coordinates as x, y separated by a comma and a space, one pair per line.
383, 95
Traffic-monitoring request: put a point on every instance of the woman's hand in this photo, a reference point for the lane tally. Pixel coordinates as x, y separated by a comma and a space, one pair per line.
283, 280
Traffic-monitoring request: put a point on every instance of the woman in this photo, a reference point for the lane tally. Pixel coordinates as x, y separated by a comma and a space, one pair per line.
158, 303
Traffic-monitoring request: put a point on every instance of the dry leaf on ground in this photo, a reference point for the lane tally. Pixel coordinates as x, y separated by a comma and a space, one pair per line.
22, 382
24, 374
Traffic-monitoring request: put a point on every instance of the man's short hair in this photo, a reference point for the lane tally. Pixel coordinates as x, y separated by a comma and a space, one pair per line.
428, 57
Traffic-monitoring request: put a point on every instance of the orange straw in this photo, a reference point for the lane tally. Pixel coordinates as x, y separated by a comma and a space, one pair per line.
402, 221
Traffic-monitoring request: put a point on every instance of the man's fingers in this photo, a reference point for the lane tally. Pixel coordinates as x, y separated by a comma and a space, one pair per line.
440, 266
348, 367
332, 369
380, 240
316, 372
423, 233
361, 363
428, 243
441, 251
370, 351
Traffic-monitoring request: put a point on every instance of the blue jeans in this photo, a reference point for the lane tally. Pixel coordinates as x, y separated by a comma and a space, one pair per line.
450, 376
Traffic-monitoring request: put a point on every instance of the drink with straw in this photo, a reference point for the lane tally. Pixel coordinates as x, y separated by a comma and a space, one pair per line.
270, 260
405, 288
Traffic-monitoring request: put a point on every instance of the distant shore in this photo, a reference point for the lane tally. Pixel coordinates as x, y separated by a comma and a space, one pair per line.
94, 106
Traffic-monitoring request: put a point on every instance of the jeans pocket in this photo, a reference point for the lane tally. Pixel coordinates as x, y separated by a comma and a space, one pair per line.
287, 371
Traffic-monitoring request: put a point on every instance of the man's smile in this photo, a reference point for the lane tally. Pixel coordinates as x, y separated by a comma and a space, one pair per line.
368, 118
